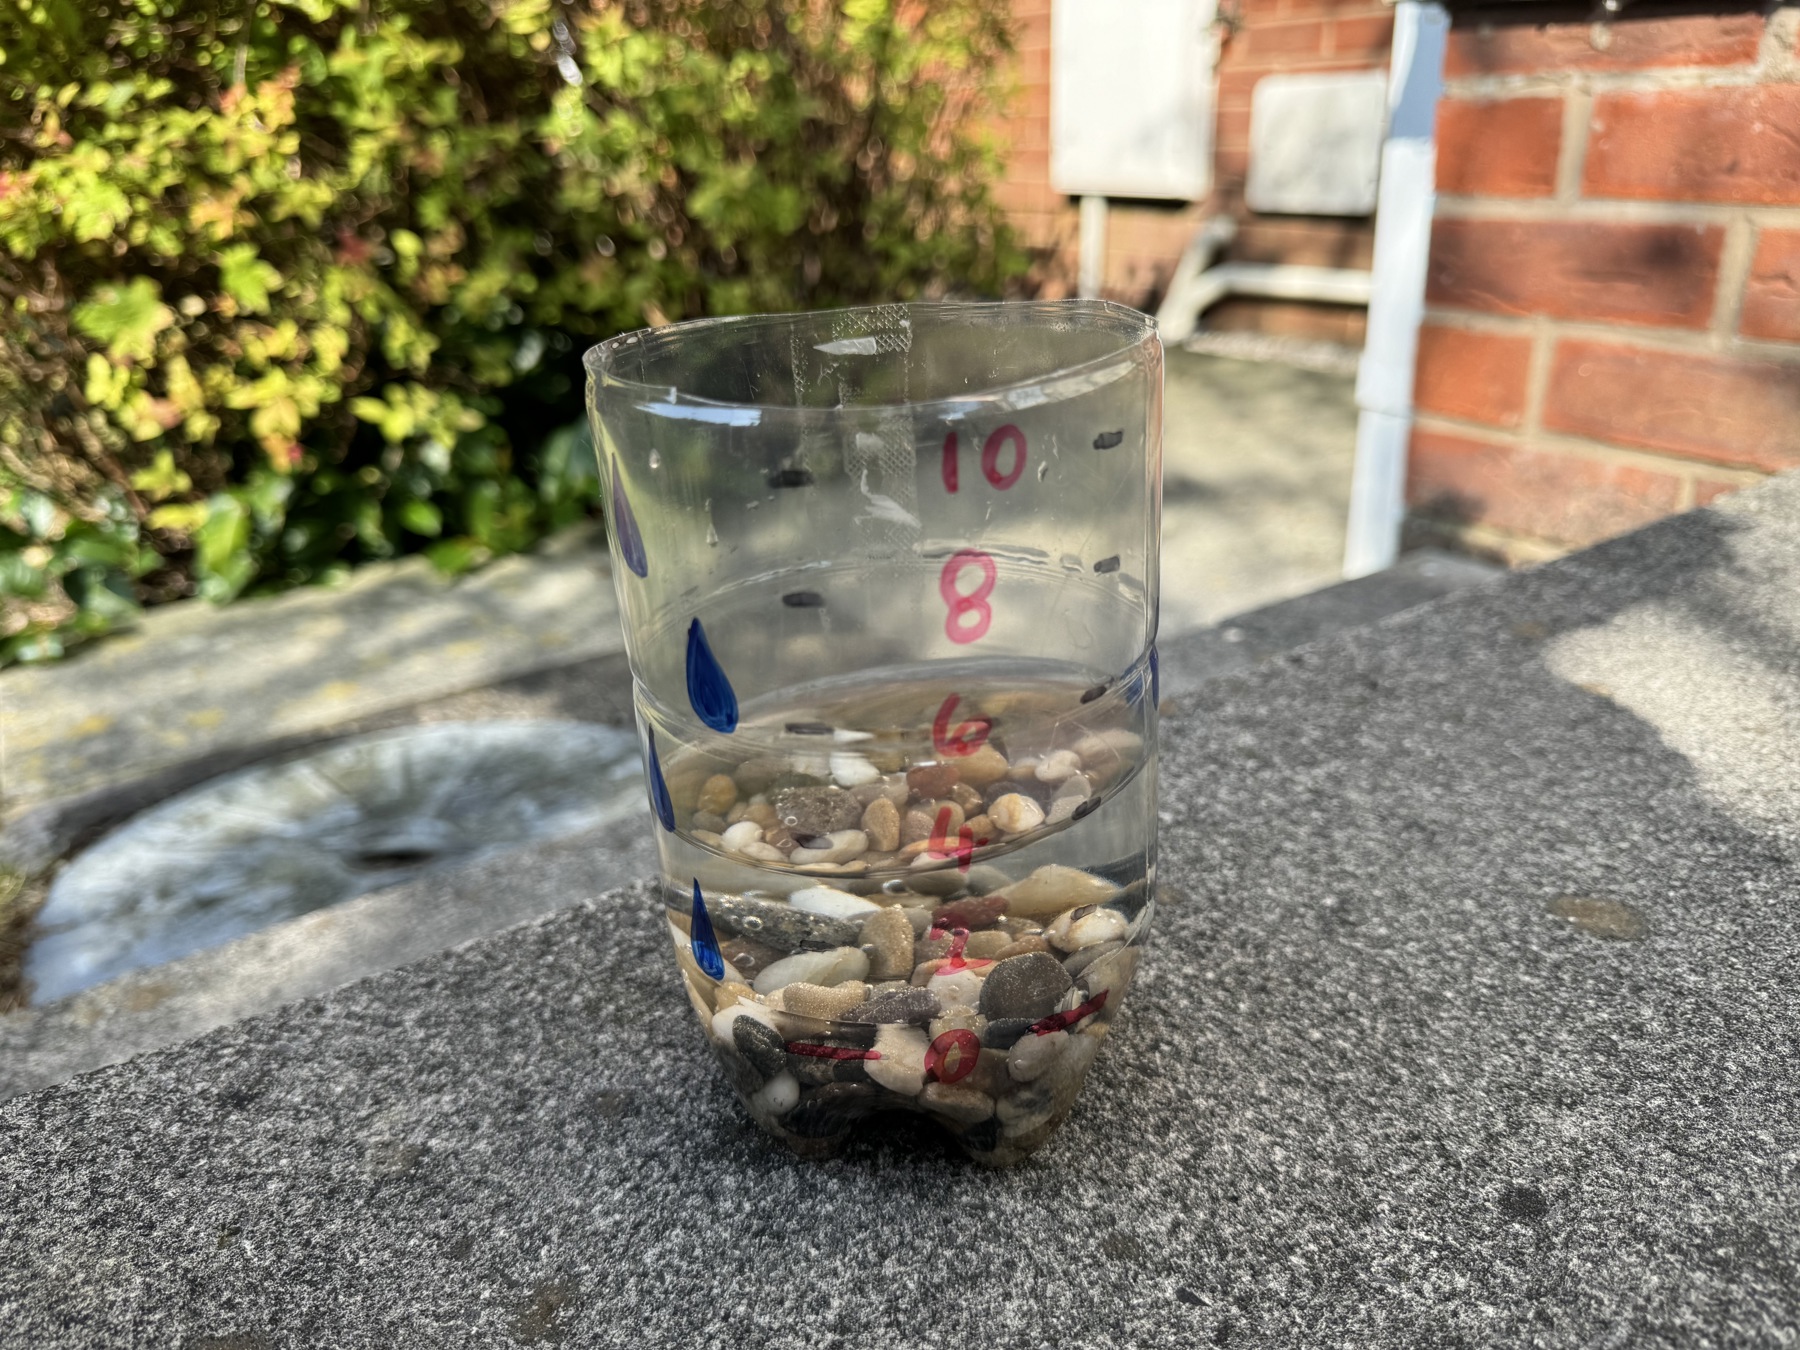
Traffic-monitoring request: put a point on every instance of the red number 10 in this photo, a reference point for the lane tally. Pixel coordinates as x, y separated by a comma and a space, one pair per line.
990, 458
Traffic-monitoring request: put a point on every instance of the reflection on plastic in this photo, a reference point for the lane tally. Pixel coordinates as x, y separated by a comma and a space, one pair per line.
705, 945
709, 692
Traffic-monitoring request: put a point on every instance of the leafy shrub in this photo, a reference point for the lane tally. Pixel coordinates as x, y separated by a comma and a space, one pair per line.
293, 284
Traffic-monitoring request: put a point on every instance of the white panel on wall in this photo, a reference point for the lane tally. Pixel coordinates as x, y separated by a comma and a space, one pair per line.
1315, 143
1131, 98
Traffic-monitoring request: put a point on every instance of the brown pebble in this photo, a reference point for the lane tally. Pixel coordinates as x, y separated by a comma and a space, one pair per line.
986, 765
923, 972
982, 829
736, 813
706, 820
921, 822
826, 1003
987, 945
1033, 942
964, 796
762, 813
932, 781
881, 822
888, 937
980, 911
717, 794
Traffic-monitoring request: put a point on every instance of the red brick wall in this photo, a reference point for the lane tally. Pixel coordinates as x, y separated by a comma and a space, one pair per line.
1613, 300
1144, 242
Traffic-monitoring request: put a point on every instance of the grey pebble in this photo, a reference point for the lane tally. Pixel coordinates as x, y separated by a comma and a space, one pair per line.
829, 1110
760, 1044
779, 926
1024, 986
1078, 961
1004, 1032
898, 1005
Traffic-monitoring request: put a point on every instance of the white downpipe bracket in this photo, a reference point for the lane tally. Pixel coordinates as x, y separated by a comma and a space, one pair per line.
1091, 273
1384, 379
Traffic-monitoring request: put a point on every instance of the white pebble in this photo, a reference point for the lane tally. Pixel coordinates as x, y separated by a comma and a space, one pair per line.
957, 988
1074, 791
901, 1067
721, 1024
845, 736
840, 846
761, 852
778, 1096
826, 968
744, 832
1058, 765
832, 903
853, 770
1016, 813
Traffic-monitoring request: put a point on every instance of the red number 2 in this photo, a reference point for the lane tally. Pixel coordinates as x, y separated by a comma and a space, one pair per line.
975, 602
990, 458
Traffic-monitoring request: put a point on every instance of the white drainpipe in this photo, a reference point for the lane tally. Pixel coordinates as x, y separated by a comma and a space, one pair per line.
1384, 379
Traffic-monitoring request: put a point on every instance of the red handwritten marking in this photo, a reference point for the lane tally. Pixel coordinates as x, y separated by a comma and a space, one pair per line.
950, 463
968, 737
812, 1051
963, 849
1057, 1021
975, 602
952, 1056
990, 456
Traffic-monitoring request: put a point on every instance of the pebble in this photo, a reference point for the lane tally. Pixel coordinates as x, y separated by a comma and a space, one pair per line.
1023, 986
932, 780
818, 1070
850, 771
755, 775
748, 956
825, 1004
986, 945
887, 936
778, 925
881, 822
1032, 1056
829, 1110
943, 882
907, 1004
818, 810
1080, 928
901, 1067
1068, 799
959, 987
1002, 1032
1053, 888
761, 1044
1022, 1112
921, 824
962, 1105
778, 1096
984, 879
705, 822
1031, 942
1015, 814
833, 903
1058, 766
840, 846
986, 765
762, 852
1111, 974
717, 794
972, 913
1080, 960
826, 968
744, 832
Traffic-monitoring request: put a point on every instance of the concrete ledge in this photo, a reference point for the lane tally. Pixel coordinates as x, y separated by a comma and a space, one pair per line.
1472, 1023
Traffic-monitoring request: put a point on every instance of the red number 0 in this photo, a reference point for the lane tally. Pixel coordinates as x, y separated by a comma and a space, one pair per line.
968, 737
990, 458
975, 602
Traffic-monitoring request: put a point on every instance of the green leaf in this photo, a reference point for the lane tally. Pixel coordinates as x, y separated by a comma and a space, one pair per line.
454, 556
126, 318
246, 278
161, 480
421, 517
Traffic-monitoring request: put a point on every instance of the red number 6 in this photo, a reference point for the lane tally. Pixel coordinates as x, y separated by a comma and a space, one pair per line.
975, 602
966, 739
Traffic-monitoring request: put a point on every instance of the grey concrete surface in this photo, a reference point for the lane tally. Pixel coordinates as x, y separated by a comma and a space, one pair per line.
163, 1006
1256, 484
1471, 1022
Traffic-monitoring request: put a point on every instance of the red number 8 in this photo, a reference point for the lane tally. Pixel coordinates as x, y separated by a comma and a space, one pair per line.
975, 602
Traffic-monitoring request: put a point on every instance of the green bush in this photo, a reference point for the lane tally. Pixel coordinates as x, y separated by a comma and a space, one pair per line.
291, 284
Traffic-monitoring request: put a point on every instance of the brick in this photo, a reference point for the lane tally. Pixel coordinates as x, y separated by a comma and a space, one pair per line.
1500, 43
1499, 148
1479, 377
1726, 411
1567, 497
1264, 40
1697, 145
1641, 274
1345, 324
1709, 490
1772, 292
1370, 35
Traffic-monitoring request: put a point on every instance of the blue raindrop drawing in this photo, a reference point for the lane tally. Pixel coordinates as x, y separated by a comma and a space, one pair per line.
709, 692
625, 526
704, 944
1155, 677
660, 801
